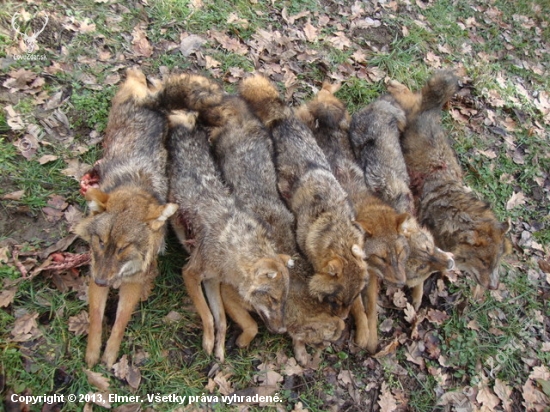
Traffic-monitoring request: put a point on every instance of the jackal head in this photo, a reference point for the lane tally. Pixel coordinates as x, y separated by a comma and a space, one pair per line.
268, 291
340, 275
125, 230
425, 258
386, 247
479, 251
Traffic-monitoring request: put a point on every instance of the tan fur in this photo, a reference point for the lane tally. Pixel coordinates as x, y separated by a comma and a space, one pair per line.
325, 228
308, 322
227, 244
244, 153
374, 136
460, 223
386, 249
126, 224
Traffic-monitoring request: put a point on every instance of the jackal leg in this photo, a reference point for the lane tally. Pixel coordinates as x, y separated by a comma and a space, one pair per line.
192, 280
213, 294
300, 352
370, 297
97, 297
361, 322
417, 292
235, 308
128, 297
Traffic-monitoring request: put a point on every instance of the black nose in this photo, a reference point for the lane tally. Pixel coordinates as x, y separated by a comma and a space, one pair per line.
100, 282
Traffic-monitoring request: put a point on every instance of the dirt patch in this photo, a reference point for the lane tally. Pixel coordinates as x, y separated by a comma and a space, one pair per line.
23, 228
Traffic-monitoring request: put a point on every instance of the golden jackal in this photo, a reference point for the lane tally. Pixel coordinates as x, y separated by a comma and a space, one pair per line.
386, 248
227, 244
460, 222
244, 152
128, 211
325, 228
374, 137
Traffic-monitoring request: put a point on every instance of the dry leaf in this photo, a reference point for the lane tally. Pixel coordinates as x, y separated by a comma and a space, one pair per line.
97, 379
399, 299
517, 199
24, 324
141, 45
386, 401
76, 169
293, 368
223, 384
487, 398
340, 41
7, 296
311, 32
437, 316
172, 317
410, 313
79, 324
504, 392
14, 195
191, 44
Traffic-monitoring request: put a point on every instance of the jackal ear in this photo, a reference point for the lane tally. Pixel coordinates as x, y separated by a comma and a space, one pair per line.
405, 223
97, 200
333, 267
358, 252
468, 236
366, 231
158, 216
287, 260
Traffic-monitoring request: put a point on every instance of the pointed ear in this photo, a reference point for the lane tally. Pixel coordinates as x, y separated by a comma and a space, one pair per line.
366, 232
287, 260
405, 223
358, 252
157, 218
333, 267
96, 200
468, 236
81, 229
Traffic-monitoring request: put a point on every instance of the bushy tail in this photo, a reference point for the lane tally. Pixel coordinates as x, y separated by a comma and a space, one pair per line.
438, 90
325, 110
189, 92
263, 99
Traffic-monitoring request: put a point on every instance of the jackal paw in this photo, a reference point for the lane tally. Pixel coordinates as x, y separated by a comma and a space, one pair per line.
246, 337
208, 344
361, 337
109, 358
220, 352
92, 357
372, 344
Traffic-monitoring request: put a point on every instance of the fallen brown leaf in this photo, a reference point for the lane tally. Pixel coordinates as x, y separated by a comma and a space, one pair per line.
6, 296
97, 380
79, 324
17, 195
386, 401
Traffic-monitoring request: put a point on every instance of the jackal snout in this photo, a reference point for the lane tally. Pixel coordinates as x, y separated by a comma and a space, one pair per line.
270, 291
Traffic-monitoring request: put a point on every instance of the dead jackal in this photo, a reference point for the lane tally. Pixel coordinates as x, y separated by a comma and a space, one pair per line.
386, 248
227, 244
374, 136
326, 232
460, 222
244, 151
128, 211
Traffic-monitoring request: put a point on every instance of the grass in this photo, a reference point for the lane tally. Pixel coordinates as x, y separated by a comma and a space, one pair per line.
485, 338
